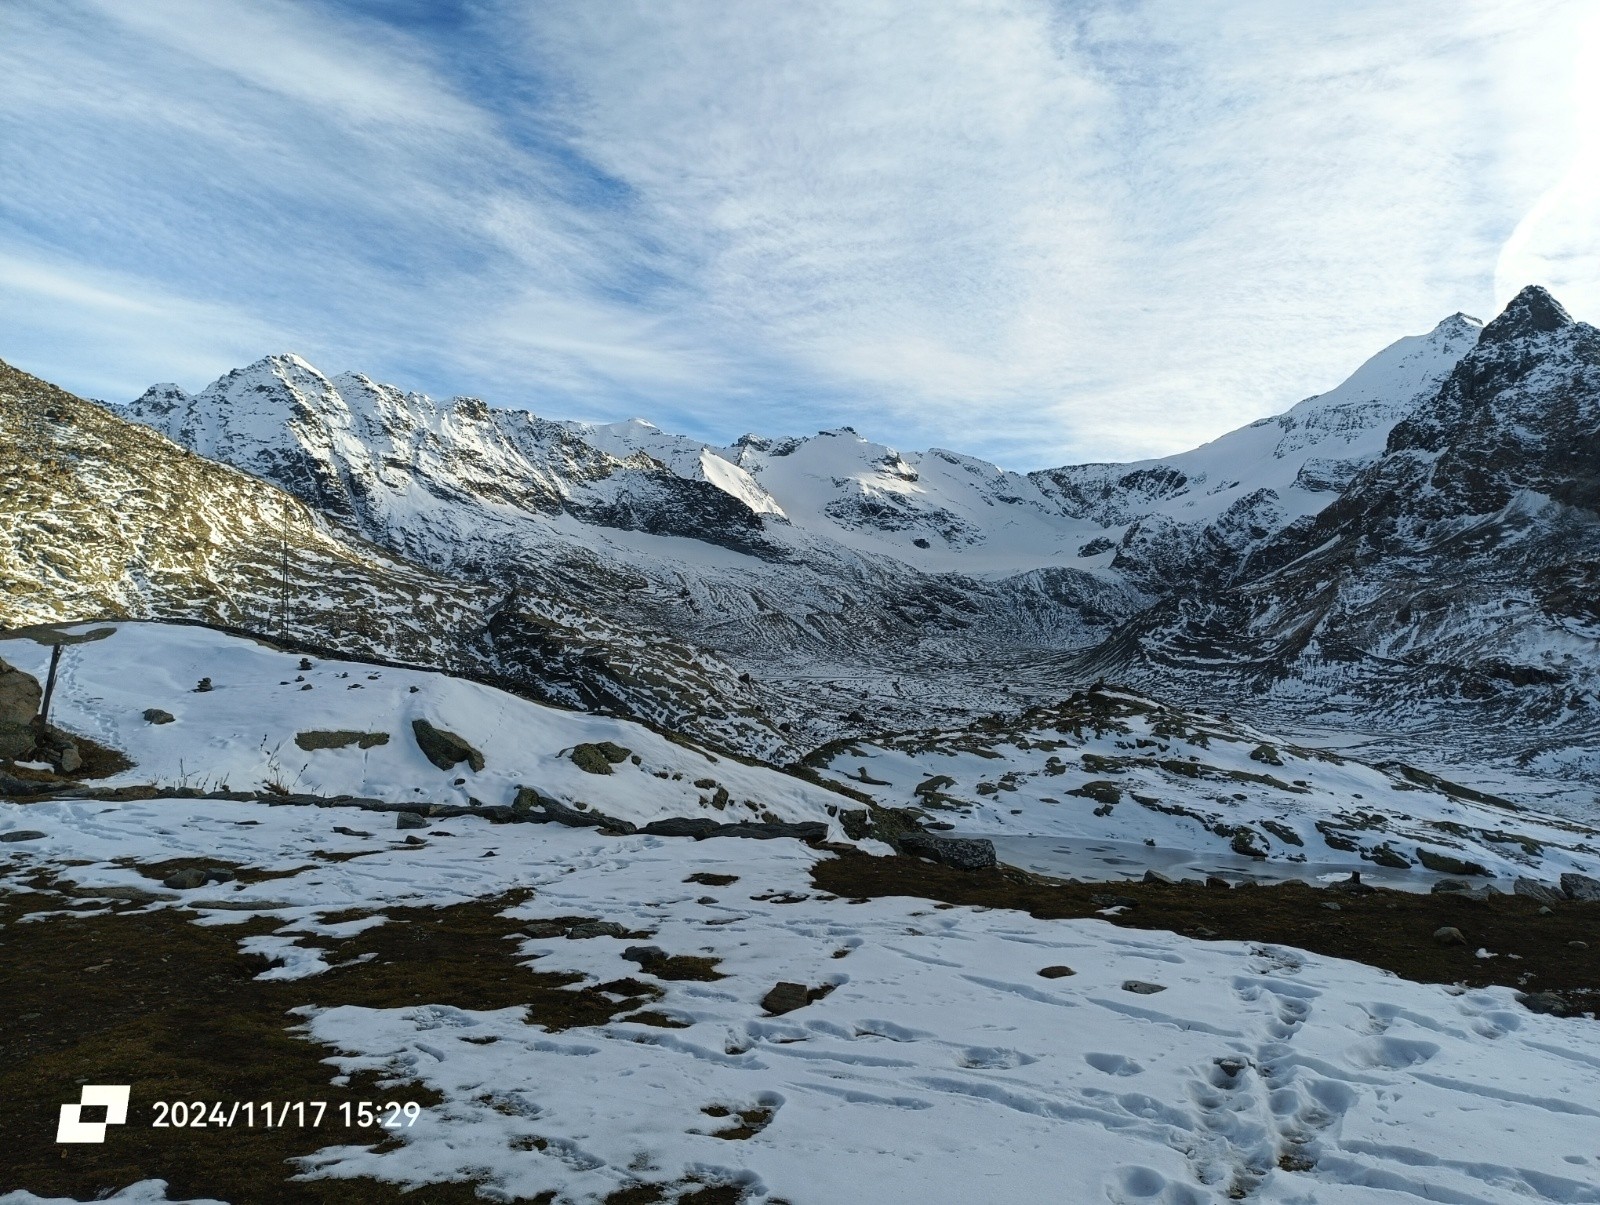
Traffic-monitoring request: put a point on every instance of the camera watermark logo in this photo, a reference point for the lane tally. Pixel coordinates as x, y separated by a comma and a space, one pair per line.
113, 1098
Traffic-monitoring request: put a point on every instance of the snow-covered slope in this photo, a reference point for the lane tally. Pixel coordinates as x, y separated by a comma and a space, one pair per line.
1110, 782
249, 732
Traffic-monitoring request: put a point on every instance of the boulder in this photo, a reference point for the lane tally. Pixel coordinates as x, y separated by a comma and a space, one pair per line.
645, 956
67, 759
445, 749
958, 853
1101, 790
1448, 863
698, 827
405, 820
22, 834
1534, 890
342, 738
1386, 855
596, 928
154, 715
20, 696
1449, 935
1545, 1002
185, 879
1140, 988
1247, 841
598, 757
1056, 972
1580, 887
14, 787
785, 998
1267, 755
534, 805
766, 830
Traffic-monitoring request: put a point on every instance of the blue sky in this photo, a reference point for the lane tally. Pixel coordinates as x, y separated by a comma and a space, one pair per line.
1041, 232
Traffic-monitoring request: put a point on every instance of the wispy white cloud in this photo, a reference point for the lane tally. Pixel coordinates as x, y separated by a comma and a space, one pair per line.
1038, 231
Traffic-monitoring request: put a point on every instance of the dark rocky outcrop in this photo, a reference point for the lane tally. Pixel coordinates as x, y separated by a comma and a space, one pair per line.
599, 756
445, 749
958, 853
1580, 887
343, 738
20, 695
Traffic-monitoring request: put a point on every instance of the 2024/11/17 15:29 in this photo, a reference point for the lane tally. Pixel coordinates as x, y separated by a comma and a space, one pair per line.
302, 1114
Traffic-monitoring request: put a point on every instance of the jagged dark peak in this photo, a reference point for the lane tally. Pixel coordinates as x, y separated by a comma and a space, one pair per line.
1531, 312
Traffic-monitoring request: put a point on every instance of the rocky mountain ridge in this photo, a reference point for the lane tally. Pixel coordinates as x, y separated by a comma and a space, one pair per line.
1339, 562
104, 518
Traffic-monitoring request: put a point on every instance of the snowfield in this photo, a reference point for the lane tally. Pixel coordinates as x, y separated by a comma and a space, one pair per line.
941, 1067
932, 1060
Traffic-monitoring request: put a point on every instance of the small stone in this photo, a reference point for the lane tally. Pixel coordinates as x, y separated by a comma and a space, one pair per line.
1217, 883
1545, 1002
203, 686
21, 834
1449, 887
1331, 906
1155, 876
219, 874
1578, 945
1449, 935
154, 715
1231, 1065
183, 880
785, 998
1547, 911
645, 956
543, 929
415, 840
1140, 988
409, 820
1056, 972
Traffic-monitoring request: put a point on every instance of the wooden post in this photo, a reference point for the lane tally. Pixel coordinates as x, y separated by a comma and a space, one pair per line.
49, 687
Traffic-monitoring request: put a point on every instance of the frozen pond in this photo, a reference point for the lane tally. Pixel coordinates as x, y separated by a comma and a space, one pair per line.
1107, 860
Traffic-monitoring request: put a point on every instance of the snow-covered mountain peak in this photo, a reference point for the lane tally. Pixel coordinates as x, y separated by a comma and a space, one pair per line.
1531, 312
